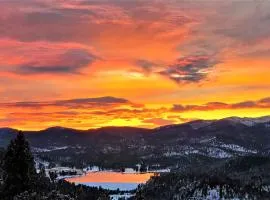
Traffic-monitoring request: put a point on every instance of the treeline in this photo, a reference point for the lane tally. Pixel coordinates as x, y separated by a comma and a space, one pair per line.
69, 158
242, 178
20, 181
72, 158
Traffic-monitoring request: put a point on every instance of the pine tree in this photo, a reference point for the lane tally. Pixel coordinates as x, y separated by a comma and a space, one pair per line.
18, 164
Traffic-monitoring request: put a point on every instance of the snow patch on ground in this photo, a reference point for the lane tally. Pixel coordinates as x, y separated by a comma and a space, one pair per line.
217, 153
39, 162
160, 171
250, 121
172, 153
192, 151
212, 194
208, 140
237, 148
40, 150
91, 169
121, 196
130, 171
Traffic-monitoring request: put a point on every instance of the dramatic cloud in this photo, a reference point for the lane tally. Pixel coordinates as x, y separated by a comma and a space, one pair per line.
190, 69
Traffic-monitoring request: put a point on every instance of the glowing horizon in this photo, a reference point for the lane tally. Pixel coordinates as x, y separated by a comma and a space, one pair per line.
87, 64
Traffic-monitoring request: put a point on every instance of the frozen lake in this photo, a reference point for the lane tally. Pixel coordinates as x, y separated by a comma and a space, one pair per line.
112, 180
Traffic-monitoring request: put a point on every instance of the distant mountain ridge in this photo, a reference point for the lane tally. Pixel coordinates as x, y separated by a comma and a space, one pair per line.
244, 120
175, 145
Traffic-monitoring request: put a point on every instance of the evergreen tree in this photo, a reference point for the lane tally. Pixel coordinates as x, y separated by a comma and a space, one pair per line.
18, 164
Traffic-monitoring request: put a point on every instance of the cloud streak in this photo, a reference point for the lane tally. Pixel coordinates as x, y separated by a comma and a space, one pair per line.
263, 103
75, 60
98, 102
190, 69
44, 58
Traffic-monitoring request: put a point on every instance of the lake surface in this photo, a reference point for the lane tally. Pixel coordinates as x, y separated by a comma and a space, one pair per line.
112, 180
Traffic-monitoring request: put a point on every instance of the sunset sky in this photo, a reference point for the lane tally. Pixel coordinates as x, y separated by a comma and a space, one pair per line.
144, 63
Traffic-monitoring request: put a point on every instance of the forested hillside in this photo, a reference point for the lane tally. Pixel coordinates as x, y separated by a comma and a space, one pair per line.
20, 181
240, 178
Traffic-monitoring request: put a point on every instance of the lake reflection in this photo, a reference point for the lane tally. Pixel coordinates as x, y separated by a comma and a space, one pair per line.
112, 180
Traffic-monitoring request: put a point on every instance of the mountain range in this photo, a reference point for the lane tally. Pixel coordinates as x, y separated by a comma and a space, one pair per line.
173, 146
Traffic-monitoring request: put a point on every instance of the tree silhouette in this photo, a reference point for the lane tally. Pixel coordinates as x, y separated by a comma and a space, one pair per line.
18, 164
